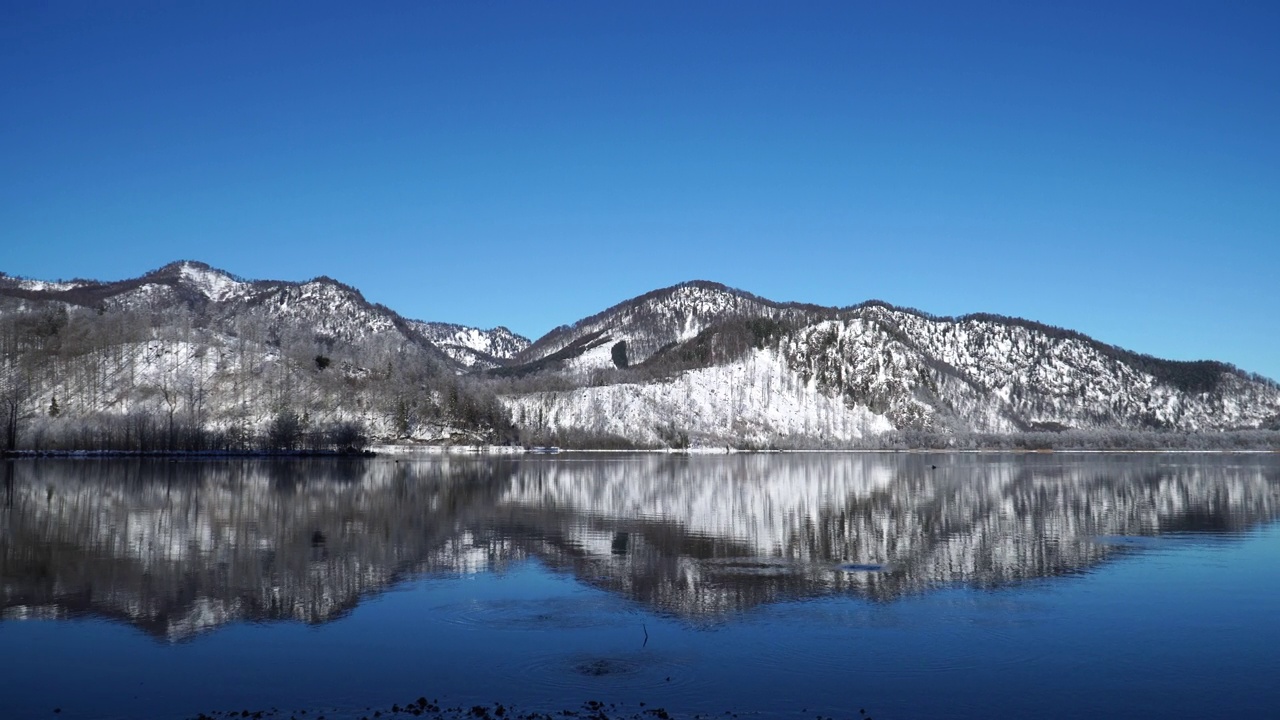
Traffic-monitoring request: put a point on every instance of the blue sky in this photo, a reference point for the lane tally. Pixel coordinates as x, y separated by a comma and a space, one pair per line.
1109, 167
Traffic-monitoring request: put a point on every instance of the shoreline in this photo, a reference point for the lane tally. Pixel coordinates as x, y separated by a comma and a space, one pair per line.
427, 451
92, 454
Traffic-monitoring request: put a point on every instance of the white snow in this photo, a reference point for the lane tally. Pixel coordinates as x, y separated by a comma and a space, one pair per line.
472, 347
44, 286
214, 284
757, 399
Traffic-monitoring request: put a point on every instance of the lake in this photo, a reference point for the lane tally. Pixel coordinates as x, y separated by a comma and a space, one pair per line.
774, 585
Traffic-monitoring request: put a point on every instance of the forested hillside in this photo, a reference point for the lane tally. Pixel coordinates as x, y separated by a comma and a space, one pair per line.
703, 364
188, 357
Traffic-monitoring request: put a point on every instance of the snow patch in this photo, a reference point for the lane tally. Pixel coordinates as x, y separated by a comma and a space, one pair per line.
756, 400
213, 284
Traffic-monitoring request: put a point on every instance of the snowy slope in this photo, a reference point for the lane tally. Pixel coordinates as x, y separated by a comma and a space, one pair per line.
1045, 377
192, 345
718, 365
650, 322
757, 400
838, 375
473, 347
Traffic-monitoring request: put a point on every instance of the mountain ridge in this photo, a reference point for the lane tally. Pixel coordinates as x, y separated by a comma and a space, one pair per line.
165, 271
698, 362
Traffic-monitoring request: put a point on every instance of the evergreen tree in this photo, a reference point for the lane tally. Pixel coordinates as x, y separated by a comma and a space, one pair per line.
402, 421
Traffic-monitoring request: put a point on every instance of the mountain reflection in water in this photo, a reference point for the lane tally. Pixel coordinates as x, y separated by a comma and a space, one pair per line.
177, 548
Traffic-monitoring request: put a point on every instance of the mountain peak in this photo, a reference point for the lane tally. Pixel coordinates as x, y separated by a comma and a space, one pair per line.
473, 347
214, 284
658, 319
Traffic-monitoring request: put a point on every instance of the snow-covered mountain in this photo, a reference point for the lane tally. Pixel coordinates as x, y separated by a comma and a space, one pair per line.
698, 363
724, 367
328, 311
650, 323
473, 347
204, 353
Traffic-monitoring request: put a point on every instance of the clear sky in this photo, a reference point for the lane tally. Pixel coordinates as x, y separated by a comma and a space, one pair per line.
1112, 167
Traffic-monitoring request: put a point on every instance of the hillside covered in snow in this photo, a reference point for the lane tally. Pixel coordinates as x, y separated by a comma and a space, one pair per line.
473, 347
718, 366
192, 357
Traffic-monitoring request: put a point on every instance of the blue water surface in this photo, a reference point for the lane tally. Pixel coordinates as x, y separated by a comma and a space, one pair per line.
1171, 623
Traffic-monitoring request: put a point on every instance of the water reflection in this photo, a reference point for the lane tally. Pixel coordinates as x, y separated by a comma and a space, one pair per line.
176, 548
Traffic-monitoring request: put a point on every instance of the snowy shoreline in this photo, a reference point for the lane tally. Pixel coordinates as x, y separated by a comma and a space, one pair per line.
11, 454
392, 449
405, 450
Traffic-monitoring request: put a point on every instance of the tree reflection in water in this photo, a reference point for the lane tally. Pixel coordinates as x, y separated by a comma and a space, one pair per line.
177, 548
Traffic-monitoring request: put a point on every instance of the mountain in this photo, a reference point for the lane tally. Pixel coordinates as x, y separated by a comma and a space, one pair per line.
655, 321
713, 365
473, 347
190, 356
324, 309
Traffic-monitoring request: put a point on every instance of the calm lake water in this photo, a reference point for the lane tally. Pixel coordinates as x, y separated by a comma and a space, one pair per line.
908, 585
